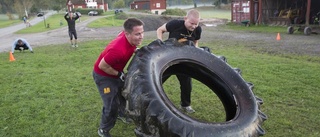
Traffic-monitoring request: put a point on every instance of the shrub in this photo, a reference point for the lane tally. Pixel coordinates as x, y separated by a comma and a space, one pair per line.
178, 12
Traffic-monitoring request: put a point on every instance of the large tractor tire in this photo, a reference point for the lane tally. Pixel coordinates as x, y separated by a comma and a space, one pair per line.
156, 116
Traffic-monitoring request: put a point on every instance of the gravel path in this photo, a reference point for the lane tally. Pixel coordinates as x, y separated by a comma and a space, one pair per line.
299, 44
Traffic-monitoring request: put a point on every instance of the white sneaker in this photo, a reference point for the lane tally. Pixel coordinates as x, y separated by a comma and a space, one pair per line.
125, 120
76, 45
103, 133
188, 109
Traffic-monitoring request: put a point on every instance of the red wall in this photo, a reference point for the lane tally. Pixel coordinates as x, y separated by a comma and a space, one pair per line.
240, 10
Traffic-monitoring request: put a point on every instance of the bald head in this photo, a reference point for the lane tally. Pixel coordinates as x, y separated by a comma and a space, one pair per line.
193, 13
191, 21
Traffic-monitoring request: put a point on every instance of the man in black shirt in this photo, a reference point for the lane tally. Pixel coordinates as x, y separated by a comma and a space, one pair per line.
72, 27
184, 30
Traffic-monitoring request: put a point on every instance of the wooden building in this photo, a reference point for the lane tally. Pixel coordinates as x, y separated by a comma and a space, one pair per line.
90, 4
276, 12
155, 6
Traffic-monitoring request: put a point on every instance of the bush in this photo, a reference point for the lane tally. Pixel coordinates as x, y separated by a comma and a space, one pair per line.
178, 12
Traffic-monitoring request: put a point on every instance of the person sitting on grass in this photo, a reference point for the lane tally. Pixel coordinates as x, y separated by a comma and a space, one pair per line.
21, 45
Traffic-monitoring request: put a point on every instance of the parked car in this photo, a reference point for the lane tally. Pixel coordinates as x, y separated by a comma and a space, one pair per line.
40, 14
93, 13
117, 11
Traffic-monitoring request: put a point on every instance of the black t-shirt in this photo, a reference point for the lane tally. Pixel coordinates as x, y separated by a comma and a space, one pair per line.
71, 22
177, 29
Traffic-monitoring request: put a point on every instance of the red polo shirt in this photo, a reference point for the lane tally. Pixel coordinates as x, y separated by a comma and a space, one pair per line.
116, 54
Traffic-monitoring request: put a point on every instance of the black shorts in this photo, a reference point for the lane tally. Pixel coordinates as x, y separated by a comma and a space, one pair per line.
74, 33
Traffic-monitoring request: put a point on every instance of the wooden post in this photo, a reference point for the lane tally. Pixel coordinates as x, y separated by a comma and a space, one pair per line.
308, 12
232, 2
260, 12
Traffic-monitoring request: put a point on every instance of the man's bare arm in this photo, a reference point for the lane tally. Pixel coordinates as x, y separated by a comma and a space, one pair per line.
162, 29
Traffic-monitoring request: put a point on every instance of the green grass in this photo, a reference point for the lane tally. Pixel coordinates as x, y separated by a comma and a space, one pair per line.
256, 28
210, 12
52, 93
40, 97
106, 21
111, 12
53, 21
6, 23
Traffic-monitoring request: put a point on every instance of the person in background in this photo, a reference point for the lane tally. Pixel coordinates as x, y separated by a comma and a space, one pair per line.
184, 30
108, 72
72, 28
21, 45
24, 19
28, 24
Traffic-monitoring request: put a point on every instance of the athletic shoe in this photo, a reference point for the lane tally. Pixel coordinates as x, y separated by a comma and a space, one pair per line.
125, 120
72, 45
188, 109
76, 45
103, 133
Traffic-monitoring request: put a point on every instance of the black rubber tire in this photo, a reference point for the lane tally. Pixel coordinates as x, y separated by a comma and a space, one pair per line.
154, 114
307, 31
290, 30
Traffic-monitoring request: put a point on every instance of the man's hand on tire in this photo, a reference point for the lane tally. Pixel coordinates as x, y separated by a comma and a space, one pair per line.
121, 76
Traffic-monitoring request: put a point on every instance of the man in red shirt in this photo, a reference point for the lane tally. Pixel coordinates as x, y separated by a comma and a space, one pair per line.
108, 71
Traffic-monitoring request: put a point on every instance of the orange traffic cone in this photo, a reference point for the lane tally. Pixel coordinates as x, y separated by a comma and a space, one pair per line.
278, 37
11, 57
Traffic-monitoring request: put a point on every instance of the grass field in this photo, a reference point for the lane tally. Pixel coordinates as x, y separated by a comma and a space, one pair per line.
55, 21
51, 92
210, 12
4, 22
106, 21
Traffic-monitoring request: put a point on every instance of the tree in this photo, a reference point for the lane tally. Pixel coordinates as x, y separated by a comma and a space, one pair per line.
56, 8
119, 4
60, 3
43, 4
22, 7
6, 6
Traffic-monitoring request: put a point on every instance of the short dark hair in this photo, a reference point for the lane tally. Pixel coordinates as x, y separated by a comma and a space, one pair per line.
130, 23
20, 42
